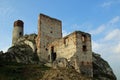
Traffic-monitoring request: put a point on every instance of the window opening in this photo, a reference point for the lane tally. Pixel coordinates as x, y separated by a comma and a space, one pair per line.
20, 33
46, 49
82, 63
84, 38
66, 41
51, 32
84, 48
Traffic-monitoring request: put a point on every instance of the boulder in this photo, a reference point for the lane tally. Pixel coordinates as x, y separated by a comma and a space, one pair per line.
60, 63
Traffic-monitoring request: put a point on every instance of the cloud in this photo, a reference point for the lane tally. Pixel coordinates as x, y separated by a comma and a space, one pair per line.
84, 27
98, 30
110, 43
4, 49
110, 3
107, 4
113, 35
65, 33
117, 49
114, 20
106, 26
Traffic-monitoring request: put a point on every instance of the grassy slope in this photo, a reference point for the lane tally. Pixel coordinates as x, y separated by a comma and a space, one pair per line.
15, 71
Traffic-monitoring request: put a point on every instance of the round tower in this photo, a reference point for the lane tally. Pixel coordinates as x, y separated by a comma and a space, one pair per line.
18, 31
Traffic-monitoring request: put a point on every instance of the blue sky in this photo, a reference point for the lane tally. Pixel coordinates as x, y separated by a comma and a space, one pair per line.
101, 18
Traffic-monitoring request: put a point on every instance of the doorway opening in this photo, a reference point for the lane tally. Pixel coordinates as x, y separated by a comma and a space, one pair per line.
53, 54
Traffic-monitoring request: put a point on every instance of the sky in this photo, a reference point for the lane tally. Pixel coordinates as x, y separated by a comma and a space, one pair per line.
100, 18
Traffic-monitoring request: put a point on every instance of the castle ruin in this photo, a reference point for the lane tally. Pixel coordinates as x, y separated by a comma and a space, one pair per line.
50, 45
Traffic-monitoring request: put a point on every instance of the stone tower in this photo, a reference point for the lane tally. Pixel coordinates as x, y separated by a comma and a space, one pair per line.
84, 52
17, 31
49, 29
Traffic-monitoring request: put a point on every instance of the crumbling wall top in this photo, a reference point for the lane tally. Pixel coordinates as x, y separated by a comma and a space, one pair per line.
78, 32
19, 23
50, 17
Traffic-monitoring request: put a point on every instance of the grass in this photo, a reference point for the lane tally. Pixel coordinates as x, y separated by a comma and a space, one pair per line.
16, 71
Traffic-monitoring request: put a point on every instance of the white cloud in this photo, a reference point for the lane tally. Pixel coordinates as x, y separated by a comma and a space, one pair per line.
4, 49
106, 26
117, 49
110, 43
75, 26
65, 33
115, 20
113, 35
107, 4
98, 30
110, 3
83, 27
96, 46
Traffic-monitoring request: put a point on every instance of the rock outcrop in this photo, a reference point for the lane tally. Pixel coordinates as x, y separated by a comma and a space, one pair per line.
23, 51
101, 69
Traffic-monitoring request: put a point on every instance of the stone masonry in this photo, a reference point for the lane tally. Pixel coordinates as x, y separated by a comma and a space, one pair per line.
17, 31
76, 45
49, 29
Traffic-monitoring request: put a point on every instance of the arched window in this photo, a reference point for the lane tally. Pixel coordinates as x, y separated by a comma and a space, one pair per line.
84, 38
66, 41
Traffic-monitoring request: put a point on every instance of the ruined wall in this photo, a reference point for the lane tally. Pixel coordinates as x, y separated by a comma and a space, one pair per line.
75, 47
49, 29
84, 53
18, 31
63, 48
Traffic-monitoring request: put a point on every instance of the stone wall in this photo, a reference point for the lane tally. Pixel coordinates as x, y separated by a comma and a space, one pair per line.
84, 52
64, 48
76, 46
49, 29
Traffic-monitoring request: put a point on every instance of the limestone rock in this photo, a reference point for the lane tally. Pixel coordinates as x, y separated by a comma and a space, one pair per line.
1, 52
28, 40
63, 74
101, 69
23, 51
21, 54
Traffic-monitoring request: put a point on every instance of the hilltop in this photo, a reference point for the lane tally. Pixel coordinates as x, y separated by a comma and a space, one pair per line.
21, 63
